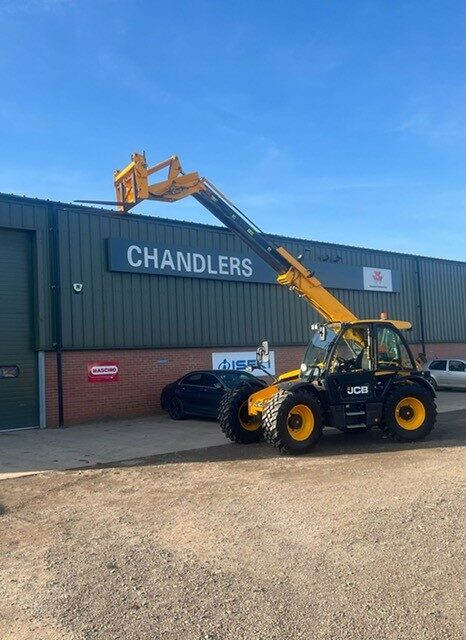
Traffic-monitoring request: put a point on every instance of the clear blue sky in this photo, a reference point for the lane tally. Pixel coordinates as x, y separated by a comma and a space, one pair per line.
332, 120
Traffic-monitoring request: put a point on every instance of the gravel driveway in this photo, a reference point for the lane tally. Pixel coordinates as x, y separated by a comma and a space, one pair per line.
362, 539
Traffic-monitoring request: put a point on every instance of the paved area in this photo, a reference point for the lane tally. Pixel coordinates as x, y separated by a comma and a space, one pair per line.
32, 451
362, 539
24, 452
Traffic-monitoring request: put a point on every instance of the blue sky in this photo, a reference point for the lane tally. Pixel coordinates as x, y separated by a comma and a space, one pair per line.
331, 120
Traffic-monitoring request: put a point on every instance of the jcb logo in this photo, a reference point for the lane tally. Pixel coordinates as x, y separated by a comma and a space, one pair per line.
357, 390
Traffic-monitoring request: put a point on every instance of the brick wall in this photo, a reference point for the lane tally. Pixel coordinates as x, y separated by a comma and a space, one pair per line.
142, 375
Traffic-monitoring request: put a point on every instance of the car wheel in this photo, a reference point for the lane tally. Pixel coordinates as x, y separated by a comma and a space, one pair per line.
175, 409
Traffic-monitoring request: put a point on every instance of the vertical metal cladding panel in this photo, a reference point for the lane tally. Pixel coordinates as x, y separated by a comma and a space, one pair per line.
138, 310
31, 215
444, 300
403, 305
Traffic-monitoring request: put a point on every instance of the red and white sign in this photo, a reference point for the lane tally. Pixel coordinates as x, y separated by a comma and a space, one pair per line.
376, 279
102, 371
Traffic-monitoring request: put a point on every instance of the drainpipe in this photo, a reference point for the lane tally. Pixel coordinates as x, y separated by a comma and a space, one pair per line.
54, 253
420, 306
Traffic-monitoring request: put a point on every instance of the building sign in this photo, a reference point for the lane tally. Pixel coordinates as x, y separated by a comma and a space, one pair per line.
239, 360
169, 260
377, 279
102, 371
133, 256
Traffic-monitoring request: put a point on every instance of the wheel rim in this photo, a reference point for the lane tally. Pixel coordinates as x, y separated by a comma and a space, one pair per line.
300, 422
410, 413
250, 423
175, 408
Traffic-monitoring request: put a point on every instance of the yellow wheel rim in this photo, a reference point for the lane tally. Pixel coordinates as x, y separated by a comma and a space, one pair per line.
300, 422
250, 423
410, 413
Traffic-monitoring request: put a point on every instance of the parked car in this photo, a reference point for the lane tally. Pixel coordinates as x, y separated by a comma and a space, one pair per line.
198, 393
448, 372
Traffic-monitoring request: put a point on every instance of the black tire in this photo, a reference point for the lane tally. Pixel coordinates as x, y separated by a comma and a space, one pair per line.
175, 408
293, 433
233, 417
412, 420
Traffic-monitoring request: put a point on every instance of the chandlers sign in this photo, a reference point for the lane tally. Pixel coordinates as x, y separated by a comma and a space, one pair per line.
133, 256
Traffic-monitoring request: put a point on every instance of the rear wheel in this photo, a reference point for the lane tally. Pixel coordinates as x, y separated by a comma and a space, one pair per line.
234, 419
293, 421
175, 409
410, 413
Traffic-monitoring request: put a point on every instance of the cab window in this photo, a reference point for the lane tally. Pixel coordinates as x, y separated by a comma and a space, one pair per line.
391, 351
352, 351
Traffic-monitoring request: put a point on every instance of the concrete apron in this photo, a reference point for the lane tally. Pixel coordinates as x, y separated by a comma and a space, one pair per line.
29, 452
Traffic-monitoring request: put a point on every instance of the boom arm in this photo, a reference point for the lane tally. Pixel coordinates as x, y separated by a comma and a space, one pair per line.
132, 186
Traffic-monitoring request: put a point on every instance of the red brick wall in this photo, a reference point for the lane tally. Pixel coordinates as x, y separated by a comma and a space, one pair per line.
142, 375
442, 350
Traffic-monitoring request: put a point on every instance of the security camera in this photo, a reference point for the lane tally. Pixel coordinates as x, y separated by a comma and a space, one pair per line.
77, 287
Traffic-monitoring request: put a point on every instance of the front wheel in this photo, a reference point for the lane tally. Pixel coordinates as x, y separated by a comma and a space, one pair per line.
293, 421
410, 413
235, 422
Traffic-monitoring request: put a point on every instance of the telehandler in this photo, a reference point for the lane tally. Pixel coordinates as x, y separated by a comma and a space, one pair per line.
355, 374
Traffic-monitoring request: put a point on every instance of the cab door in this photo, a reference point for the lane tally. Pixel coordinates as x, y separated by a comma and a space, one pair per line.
350, 377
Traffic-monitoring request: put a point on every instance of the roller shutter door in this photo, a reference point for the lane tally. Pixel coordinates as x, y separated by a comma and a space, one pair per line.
19, 404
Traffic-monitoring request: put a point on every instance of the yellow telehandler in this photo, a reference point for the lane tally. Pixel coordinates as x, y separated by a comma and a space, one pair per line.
355, 374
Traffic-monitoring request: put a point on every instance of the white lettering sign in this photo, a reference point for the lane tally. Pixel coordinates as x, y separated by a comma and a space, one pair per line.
239, 360
103, 370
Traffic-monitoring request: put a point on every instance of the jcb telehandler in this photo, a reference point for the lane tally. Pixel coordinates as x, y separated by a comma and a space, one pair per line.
355, 374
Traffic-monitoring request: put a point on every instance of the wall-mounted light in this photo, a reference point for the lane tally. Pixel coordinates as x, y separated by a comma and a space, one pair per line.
77, 287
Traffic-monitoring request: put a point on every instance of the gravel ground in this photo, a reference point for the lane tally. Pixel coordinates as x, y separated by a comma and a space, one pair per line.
362, 539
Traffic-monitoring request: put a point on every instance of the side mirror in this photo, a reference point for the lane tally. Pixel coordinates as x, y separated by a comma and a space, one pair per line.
249, 368
262, 353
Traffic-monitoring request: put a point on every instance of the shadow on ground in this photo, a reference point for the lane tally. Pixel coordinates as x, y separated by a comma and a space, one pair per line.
450, 431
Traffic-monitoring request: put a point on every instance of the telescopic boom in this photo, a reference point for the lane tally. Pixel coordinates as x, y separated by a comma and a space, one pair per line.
132, 187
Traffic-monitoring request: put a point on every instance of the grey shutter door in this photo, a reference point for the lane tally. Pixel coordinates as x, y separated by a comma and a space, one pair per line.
19, 403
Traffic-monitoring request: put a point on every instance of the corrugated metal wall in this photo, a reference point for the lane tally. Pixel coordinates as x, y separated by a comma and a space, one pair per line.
31, 215
140, 310
443, 290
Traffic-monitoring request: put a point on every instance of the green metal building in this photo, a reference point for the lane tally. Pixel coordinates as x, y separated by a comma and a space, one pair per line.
81, 287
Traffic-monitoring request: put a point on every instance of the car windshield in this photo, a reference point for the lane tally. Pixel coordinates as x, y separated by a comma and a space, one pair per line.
232, 380
316, 352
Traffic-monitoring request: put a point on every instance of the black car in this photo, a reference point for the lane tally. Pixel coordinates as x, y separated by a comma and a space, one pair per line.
198, 393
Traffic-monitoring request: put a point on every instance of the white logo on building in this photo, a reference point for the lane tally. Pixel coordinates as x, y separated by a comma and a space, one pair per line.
239, 360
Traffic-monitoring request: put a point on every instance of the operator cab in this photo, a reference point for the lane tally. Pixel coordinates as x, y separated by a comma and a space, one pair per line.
353, 366
349, 348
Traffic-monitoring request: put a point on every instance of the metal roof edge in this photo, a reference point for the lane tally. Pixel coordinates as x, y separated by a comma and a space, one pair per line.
78, 208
